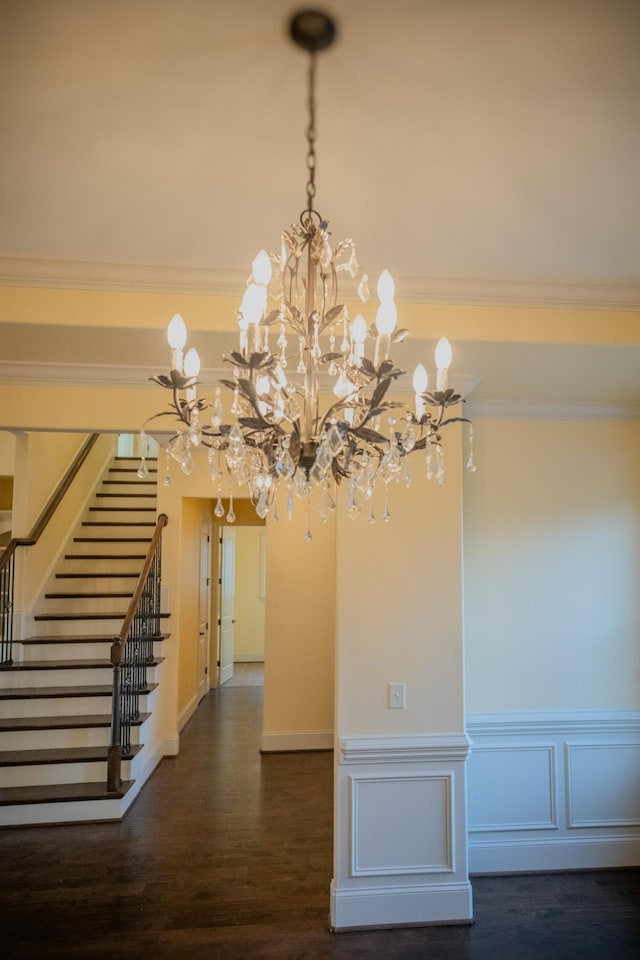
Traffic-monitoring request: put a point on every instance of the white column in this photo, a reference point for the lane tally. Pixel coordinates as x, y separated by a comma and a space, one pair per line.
400, 842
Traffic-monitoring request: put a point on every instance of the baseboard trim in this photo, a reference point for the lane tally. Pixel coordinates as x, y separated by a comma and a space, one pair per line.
188, 712
515, 856
291, 741
396, 906
248, 658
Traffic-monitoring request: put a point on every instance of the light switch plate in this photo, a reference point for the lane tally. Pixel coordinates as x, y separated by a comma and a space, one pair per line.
397, 696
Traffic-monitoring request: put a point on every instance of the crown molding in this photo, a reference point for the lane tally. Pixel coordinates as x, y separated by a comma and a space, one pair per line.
118, 375
166, 278
549, 410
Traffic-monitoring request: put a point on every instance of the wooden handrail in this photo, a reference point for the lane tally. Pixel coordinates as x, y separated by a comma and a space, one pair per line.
142, 579
52, 504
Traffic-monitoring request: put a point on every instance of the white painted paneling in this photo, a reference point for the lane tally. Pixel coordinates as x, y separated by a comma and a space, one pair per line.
604, 784
401, 854
512, 788
580, 813
401, 824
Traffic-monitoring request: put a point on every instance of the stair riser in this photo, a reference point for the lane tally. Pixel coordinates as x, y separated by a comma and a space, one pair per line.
56, 707
44, 813
59, 739
118, 548
33, 775
86, 605
116, 529
123, 516
128, 500
121, 564
78, 628
72, 651
19, 679
87, 582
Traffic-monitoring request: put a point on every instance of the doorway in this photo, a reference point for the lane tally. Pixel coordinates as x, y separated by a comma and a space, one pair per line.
241, 599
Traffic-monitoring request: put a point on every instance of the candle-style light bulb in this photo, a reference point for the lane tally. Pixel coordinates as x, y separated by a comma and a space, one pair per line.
192, 363
359, 329
253, 303
444, 356
386, 318
176, 337
177, 332
262, 268
386, 287
420, 383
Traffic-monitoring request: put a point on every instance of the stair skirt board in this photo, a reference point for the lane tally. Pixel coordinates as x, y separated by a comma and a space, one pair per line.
55, 700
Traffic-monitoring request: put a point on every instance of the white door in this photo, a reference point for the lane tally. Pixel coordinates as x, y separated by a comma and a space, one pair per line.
204, 607
227, 590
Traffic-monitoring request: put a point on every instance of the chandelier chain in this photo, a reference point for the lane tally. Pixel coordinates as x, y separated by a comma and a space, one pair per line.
311, 135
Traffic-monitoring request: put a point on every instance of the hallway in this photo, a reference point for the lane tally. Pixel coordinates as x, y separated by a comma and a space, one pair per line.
227, 854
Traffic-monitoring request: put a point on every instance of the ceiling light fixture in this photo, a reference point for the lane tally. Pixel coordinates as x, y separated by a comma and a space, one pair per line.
279, 430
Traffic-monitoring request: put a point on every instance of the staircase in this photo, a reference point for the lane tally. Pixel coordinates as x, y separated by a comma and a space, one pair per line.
55, 699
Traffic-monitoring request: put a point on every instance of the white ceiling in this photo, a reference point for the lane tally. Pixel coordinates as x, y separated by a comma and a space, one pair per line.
475, 145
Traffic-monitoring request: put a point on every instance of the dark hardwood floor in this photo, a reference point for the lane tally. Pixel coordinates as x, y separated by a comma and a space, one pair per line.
227, 854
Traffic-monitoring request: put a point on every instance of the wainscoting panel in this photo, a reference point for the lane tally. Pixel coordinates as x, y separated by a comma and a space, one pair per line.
554, 791
400, 820
389, 831
604, 784
514, 788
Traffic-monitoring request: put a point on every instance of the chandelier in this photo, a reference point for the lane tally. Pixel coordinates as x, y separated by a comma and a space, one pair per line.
294, 330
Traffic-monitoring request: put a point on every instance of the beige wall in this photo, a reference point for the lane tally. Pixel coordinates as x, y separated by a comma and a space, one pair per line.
41, 461
399, 608
189, 601
7, 453
250, 594
300, 624
552, 553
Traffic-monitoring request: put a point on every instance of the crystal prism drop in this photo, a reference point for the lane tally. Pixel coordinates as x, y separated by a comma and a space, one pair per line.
167, 480
186, 464
231, 515
219, 510
142, 471
289, 506
363, 288
409, 438
334, 440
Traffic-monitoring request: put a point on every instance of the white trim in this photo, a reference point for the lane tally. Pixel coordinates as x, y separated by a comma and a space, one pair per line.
446, 746
248, 658
188, 712
287, 741
549, 410
172, 278
552, 822
402, 869
562, 724
395, 906
572, 821
565, 853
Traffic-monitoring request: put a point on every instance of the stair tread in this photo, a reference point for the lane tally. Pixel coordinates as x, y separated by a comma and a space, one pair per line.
80, 638
95, 576
67, 664
95, 594
78, 722
85, 616
69, 691
131, 483
27, 758
137, 459
128, 470
148, 496
118, 523
112, 539
123, 509
57, 792
104, 556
